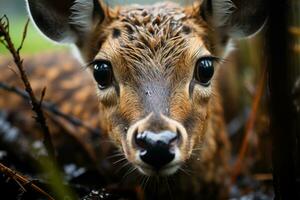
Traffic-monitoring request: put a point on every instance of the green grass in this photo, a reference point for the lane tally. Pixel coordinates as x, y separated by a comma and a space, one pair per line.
34, 42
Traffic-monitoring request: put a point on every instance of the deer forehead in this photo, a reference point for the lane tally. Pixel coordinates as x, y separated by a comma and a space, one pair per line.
160, 37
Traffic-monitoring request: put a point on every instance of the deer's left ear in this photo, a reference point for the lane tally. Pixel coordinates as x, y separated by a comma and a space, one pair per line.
235, 18
66, 20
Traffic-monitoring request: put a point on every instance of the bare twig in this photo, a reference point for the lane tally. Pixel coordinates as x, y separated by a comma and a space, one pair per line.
40, 118
24, 182
52, 108
42, 96
24, 36
249, 127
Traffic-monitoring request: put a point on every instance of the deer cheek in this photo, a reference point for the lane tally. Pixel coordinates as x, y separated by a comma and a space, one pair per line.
201, 95
130, 107
108, 97
180, 107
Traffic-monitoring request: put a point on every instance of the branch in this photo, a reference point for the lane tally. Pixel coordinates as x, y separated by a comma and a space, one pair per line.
249, 126
36, 105
52, 108
23, 181
24, 36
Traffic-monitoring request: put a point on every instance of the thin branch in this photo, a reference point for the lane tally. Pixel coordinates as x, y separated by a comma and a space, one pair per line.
42, 96
52, 108
40, 118
3, 43
24, 36
249, 126
23, 181
14, 71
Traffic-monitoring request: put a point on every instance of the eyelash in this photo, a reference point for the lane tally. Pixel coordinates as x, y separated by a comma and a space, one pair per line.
214, 59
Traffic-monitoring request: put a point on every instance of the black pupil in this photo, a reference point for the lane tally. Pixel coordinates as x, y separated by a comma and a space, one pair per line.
204, 71
103, 74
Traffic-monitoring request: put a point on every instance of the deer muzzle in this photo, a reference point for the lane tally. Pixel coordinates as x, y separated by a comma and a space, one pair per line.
156, 143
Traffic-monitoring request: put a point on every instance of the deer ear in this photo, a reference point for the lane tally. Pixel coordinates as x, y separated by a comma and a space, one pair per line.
236, 18
66, 21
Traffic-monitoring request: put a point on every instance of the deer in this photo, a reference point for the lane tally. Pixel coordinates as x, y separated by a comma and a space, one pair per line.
154, 69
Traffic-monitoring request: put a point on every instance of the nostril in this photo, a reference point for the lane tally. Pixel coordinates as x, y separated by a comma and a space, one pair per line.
157, 156
157, 149
173, 142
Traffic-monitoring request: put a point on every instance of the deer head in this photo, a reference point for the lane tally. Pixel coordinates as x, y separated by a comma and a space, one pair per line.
154, 68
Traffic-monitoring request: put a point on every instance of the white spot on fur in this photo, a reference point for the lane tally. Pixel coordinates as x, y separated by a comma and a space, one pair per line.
82, 13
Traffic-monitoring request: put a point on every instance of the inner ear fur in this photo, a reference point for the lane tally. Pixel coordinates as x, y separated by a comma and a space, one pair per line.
235, 18
66, 20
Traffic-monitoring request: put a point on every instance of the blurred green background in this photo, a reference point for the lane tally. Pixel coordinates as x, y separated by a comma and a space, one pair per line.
17, 14
35, 42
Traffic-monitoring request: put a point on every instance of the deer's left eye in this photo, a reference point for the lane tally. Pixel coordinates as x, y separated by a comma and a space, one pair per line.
103, 73
204, 70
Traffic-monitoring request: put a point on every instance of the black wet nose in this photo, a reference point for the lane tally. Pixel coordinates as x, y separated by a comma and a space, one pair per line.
156, 149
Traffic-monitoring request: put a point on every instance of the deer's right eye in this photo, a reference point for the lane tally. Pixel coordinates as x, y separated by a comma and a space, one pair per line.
103, 73
204, 70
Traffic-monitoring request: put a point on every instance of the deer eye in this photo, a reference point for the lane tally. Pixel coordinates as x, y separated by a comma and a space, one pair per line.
103, 73
204, 70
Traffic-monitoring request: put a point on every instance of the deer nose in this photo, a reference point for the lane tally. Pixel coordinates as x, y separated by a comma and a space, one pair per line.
157, 149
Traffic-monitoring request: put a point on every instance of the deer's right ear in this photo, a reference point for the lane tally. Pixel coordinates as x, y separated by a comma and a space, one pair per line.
235, 18
65, 21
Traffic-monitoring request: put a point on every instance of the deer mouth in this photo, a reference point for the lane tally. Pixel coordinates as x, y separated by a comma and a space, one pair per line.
165, 171
160, 170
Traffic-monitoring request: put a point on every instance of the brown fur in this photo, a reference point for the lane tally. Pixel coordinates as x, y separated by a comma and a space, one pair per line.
153, 51
208, 169
153, 58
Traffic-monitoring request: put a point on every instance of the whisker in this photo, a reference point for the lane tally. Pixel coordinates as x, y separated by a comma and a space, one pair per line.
142, 182
115, 155
123, 166
184, 171
120, 160
147, 180
168, 188
130, 171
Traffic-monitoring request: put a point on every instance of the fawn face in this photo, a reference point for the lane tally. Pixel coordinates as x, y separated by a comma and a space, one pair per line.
154, 67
